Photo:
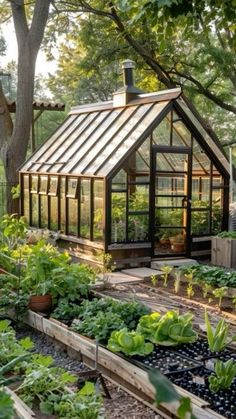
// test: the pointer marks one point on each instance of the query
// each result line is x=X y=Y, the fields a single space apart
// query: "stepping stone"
x=157 y=264
x=116 y=278
x=143 y=273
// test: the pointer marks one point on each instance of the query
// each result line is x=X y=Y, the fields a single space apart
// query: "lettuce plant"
x=130 y=343
x=224 y=375
x=171 y=329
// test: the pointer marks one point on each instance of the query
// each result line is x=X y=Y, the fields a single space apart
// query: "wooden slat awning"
x=46 y=106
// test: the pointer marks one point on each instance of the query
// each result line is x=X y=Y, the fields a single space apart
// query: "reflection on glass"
x=43 y=185
x=72 y=187
x=43 y=211
x=138 y=197
x=35 y=213
x=73 y=217
x=170 y=185
x=201 y=163
x=139 y=162
x=119 y=181
x=63 y=204
x=161 y=134
x=138 y=227
x=178 y=162
x=53 y=213
x=85 y=221
x=53 y=183
x=98 y=209
x=181 y=136
x=26 y=197
x=217 y=215
x=169 y=201
x=34 y=183
x=118 y=217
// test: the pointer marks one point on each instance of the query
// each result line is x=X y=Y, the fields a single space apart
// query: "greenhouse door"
x=171 y=191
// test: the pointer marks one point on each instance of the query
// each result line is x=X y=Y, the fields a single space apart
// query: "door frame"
x=178 y=150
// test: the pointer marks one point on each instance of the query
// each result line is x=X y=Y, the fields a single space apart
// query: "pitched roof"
x=95 y=139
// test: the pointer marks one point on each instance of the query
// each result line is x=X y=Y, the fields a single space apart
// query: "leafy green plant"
x=10 y=347
x=171 y=329
x=9 y=367
x=12 y=231
x=166 y=271
x=130 y=343
x=218 y=338
x=7 y=410
x=224 y=375
x=166 y=393
x=43 y=381
x=206 y=288
x=84 y=404
x=108 y=266
x=220 y=293
x=190 y=290
x=227 y=235
x=212 y=275
x=154 y=280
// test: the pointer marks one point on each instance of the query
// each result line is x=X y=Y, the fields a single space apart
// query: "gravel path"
x=121 y=404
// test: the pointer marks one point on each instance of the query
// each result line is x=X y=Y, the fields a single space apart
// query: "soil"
x=121 y=405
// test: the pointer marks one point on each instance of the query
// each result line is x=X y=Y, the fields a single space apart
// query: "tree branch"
x=20 y=21
x=40 y=17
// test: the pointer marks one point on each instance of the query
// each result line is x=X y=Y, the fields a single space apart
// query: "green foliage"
x=166 y=393
x=218 y=338
x=224 y=375
x=84 y=404
x=190 y=290
x=220 y=293
x=171 y=329
x=227 y=235
x=212 y=275
x=10 y=348
x=166 y=272
x=12 y=231
x=7 y=410
x=130 y=343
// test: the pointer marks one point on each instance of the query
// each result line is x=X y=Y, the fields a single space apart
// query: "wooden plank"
x=112 y=363
x=22 y=410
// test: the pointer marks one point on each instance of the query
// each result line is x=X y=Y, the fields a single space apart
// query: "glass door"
x=171 y=168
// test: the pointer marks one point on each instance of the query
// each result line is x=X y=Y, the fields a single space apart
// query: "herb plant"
x=224 y=375
x=220 y=293
x=166 y=272
x=218 y=338
x=100 y=327
x=130 y=343
x=171 y=329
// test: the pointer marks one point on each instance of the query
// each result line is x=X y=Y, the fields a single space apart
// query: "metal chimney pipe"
x=128 y=77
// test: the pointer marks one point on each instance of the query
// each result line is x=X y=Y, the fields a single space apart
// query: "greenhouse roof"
x=95 y=139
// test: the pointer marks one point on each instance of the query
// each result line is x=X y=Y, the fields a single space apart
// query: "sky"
x=42 y=65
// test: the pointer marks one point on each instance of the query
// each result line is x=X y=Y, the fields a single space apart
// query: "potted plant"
x=164 y=240
x=178 y=244
x=38 y=276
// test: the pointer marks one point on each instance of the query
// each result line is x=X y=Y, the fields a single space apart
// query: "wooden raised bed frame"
x=133 y=378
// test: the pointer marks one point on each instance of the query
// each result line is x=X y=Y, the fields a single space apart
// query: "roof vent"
x=128 y=92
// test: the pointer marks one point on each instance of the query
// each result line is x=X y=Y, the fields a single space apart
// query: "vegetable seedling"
x=177 y=281
x=190 y=291
x=224 y=375
x=220 y=293
x=206 y=288
x=218 y=338
x=154 y=280
x=166 y=271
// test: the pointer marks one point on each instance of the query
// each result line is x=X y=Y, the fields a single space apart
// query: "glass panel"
x=138 y=227
x=170 y=185
x=72 y=187
x=119 y=181
x=170 y=241
x=118 y=216
x=169 y=201
x=43 y=211
x=217 y=215
x=53 y=213
x=26 y=197
x=161 y=134
x=177 y=161
x=201 y=192
x=138 y=197
x=139 y=162
x=63 y=204
x=85 y=221
x=201 y=163
x=43 y=185
x=170 y=217
x=34 y=184
x=53 y=185
x=98 y=191
x=200 y=223
x=181 y=136
x=73 y=217
x=35 y=214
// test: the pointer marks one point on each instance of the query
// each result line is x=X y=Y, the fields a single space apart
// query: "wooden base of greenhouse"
x=119 y=370
x=21 y=409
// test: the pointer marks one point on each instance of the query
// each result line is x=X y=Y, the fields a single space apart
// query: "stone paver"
x=156 y=264
x=144 y=273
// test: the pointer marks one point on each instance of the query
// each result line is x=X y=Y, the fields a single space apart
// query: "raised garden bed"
x=114 y=366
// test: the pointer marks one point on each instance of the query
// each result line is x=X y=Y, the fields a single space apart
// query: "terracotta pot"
x=41 y=303
x=164 y=241
x=178 y=247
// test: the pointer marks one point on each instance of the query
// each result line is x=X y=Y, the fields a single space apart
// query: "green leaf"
x=88 y=389
x=46 y=407
x=26 y=343
x=165 y=391
x=184 y=407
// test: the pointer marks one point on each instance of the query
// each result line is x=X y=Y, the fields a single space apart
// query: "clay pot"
x=164 y=241
x=177 y=247
x=41 y=303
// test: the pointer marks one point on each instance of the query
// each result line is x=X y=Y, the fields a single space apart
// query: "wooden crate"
x=223 y=252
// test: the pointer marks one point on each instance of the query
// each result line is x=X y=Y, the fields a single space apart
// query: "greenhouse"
x=138 y=177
